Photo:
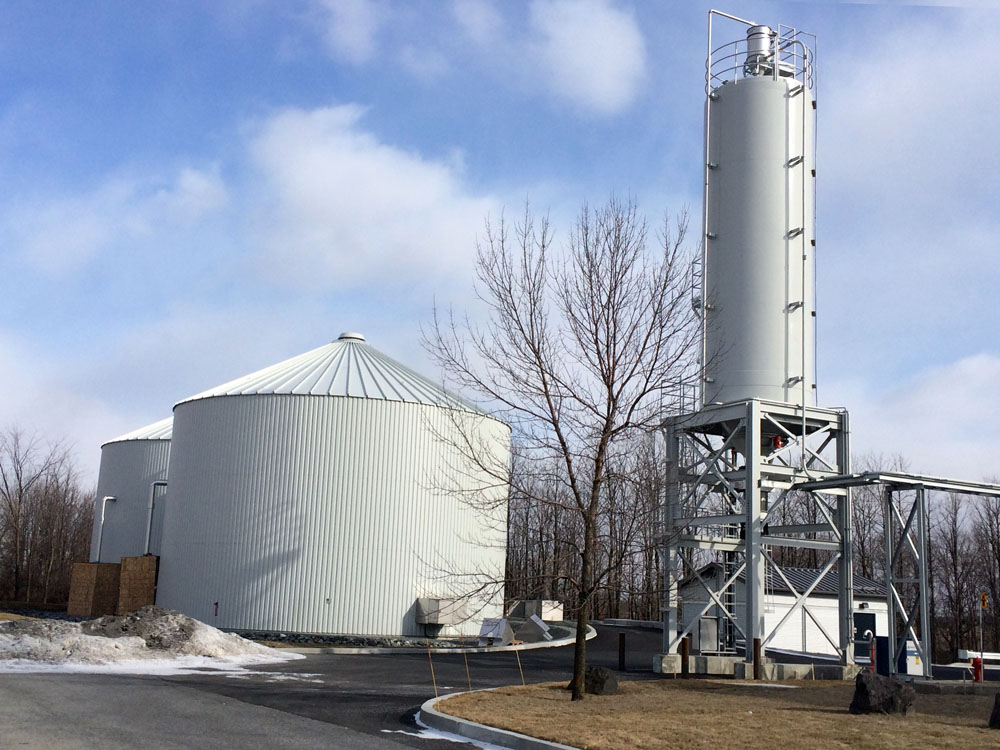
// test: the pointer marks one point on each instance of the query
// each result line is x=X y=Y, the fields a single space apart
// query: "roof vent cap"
x=351 y=336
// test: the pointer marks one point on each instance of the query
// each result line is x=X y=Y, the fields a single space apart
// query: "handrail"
x=729 y=62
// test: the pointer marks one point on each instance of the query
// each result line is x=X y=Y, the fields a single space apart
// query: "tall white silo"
x=759 y=312
x=128 y=510
x=327 y=494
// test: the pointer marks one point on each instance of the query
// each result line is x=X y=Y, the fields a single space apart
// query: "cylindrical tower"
x=758 y=301
x=328 y=493
x=133 y=470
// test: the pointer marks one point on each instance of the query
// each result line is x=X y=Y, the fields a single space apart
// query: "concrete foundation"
x=735 y=667
x=775 y=672
x=720 y=666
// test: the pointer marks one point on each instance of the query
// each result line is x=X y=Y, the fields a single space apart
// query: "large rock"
x=995 y=716
x=876 y=694
x=600 y=681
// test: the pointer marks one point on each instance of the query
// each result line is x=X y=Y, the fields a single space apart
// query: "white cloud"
x=479 y=19
x=945 y=420
x=924 y=131
x=593 y=53
x=590 y=54
x=131 y=375
x=908 y=171
x=194 y=194
x=60 y=235
x=48 y=404
x=351 y=28
x=342 y=207
x=422 y=63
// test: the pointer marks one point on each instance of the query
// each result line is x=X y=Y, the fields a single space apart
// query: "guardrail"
x=965 y=654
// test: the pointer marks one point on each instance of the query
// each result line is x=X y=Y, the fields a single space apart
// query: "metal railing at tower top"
x=786 y=53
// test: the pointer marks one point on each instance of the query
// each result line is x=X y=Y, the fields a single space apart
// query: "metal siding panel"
x=128 y=468
x=157 y=431
x=279 y=502
x=346 y=367
x=753 y=344
x=159 y=511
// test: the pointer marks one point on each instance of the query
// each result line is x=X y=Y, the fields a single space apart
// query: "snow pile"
x=132 y=642
x=167 y=630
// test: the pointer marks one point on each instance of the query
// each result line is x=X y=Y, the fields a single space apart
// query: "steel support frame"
x=725 y=475
x=906 y=530
x=905 y=527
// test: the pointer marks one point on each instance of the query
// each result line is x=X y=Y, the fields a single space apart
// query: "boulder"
x=874 y=693
x=995 y=716
x=600 y=681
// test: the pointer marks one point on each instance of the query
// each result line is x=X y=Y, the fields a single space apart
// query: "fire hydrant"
x=977 y=669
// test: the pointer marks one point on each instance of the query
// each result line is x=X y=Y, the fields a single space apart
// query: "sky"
x=191 y=191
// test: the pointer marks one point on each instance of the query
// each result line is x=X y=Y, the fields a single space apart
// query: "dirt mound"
x=160 y=628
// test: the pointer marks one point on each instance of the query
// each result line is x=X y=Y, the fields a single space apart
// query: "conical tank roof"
x=347 y=367
x=161 y=430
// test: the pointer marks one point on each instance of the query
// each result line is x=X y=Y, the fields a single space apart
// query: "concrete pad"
x=719 y=666
x=776 y=672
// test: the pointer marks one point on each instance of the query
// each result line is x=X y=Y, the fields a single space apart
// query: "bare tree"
x=987 y=542
x=45 y=518
x=955 y=562
x=579 y=347
x=24 y=463
x=867 y=523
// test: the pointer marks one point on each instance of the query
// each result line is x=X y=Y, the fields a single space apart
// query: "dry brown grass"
x=716 y=713
x=12 y=616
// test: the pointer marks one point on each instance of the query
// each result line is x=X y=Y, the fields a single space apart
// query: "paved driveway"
x=324 y=700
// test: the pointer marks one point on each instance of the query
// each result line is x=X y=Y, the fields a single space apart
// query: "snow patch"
x=434 y=734
x=151 y=640
x=428 y=733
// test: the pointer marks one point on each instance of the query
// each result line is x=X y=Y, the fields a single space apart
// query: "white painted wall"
x=799 y=633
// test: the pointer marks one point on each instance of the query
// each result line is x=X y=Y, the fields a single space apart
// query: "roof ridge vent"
x=351 y=336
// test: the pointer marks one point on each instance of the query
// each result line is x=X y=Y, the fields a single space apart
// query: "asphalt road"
x=325 y=700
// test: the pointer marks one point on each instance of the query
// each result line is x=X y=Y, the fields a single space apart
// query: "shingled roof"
x=802 y=578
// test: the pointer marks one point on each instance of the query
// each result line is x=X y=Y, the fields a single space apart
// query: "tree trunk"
x=583 y=613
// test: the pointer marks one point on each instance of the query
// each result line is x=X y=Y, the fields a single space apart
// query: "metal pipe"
x=731 y=18
x=100 y=527
x=149 y=516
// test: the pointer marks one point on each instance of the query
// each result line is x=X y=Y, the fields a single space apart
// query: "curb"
x=428 y=716
x=642 y=624
x=591 y=633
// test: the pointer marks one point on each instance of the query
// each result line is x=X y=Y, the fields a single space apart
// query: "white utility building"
x=811 y=629
x=328 y=493
x=128 y=511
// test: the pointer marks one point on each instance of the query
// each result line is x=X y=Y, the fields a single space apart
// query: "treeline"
x=963 y=540
x=544 y=541
x=544 y=537
x=46 y=517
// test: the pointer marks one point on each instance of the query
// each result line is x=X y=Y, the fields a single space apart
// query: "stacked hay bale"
x=138 y=583
x=94 y=589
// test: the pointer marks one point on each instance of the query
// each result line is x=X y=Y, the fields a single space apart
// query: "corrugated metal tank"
x=326 y=494
x=130 y=464
x=759 y=315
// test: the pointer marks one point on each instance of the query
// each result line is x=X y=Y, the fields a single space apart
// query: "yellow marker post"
x=431 y=661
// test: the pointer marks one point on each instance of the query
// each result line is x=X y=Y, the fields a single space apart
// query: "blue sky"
x=191 y=191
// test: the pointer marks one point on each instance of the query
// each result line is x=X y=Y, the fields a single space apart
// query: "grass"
x=12 y=616
x=716 y=713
